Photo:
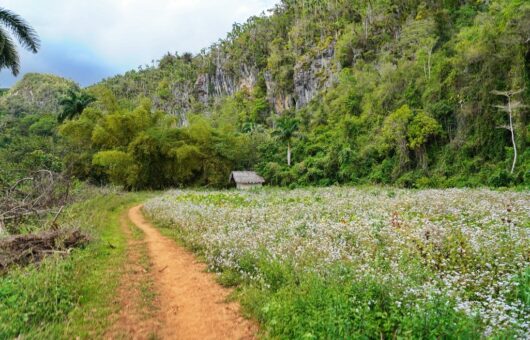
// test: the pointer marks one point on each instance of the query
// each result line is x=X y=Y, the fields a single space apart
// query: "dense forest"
x=411 y=93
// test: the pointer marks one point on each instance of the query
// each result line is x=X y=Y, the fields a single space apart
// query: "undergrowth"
x=68 y=297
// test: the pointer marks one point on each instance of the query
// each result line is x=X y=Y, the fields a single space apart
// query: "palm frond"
x=25 y=34
x=74 y=103
x=9 y=57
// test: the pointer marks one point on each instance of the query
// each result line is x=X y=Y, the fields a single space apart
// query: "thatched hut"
x=246 y=179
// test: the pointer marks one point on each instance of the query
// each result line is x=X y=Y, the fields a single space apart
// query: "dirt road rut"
x=192 y=304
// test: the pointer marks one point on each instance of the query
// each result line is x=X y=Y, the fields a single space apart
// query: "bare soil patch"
x=138 y=313
x=192 y=304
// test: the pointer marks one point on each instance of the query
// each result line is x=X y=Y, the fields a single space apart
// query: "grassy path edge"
x=71 y=297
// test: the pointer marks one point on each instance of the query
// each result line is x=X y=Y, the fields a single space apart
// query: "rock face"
x=36 y=94
x=183 y=94
x=278 y=100
x=219 y=75
x=310 y=76
x=202 y=88
x=222 y=81
x=249 y=77
x=314 y=75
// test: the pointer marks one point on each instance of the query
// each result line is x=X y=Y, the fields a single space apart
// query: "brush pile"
x=25 y=249
x=31 y=198
x=35 y=200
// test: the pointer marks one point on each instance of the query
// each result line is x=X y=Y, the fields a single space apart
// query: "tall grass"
x=70 y=297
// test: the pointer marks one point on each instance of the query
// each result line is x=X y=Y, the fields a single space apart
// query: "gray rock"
x=313 y=76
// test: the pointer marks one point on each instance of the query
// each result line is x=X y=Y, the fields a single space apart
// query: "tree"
x=118 y=165
x=74 y=104
x=511 y=108
x=421 y=128
x=419 y=38
x=187 y=57
x=395 y=131
x=24 y=33
x=285 y=131
x=410 y=130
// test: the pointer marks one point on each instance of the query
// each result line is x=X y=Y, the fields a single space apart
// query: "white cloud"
x=126 y=33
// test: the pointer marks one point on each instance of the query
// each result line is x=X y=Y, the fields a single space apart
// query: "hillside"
x=36 y=94
x=315 y=93
x=28 y=124
x=396 y=93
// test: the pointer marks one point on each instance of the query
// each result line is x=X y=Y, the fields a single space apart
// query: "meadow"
x=371 y=262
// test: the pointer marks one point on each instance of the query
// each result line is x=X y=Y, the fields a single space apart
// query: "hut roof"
x=246 y=177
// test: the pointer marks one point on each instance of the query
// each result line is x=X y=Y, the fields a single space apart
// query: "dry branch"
x=24 y=249
x=32 y=196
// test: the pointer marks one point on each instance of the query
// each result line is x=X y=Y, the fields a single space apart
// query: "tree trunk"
x=421 y=155
x=403 y=154
x=511 y=108
x=513 y=134
x=289 y=153
x=429 y=64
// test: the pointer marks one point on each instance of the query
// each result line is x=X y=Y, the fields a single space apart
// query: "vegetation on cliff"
x=391 y=92
x=385 y=92
x=36 y=94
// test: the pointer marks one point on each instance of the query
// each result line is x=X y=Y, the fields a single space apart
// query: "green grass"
x=70 y=297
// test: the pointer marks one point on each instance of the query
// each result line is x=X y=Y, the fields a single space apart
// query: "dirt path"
x=192 y=305
x=137 y=316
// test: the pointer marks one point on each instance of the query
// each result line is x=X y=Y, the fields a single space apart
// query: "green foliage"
x=286 y=128
x=74 y=104
x=345 y=48
x=441 y=64
x=36 y=94
x=352 y=307
x=523 y=287
x=395 y=130
x=29 y=297
x=118 y=165
x=28 y=144
x=69 y=297
x=142 y=148
x=281 y=64
x=399 y=93
x=244 y=110
x=421 y=128
x=406 y=130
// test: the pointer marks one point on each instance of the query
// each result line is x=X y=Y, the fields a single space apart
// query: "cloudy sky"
x=87 y=40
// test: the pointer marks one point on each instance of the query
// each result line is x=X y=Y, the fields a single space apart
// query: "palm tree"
x=285 y=131
x=24 y=33
x=74 y=104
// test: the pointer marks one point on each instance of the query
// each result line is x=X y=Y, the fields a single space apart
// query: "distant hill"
x=36 y=93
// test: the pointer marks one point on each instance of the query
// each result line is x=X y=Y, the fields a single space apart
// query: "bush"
x=500 y=178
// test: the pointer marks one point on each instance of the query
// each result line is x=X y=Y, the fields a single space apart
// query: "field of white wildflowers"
x=370 y=261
